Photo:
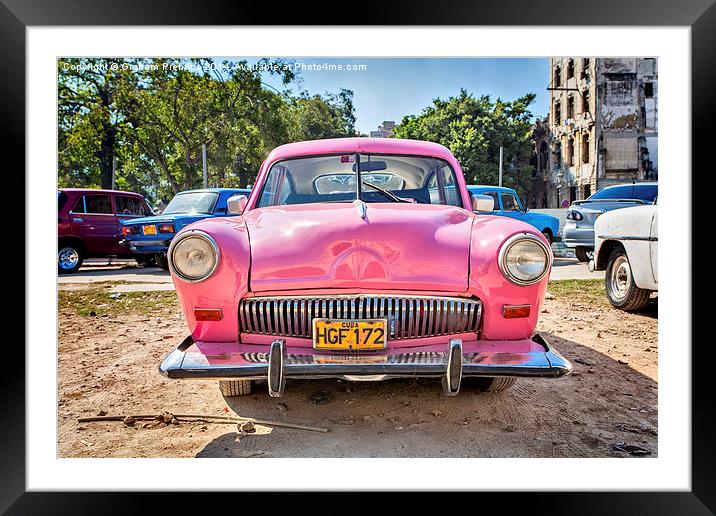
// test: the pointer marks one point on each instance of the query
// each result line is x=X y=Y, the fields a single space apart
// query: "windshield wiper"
x=388 y=194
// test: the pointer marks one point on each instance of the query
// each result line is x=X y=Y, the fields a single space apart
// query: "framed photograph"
x=424 y=248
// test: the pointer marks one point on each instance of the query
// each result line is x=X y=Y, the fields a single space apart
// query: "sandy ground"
x=109 y=363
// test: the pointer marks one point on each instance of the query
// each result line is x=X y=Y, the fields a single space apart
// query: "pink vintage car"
x=361 y=259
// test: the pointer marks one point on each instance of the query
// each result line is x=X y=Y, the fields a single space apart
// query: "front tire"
x=230 y=388
x=146 y=260
x=622 y=292
x=69 y=258
x=162 y=261
x=583 y=254
x=496 y=383
x=548 y=236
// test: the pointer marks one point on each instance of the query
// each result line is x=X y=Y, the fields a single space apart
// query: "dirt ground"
x=607 y=407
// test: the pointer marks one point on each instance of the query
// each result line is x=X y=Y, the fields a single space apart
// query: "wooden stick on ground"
x=209 y=418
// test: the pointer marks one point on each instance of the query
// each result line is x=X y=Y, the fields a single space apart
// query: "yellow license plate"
x=344 y=334
x=149 y=230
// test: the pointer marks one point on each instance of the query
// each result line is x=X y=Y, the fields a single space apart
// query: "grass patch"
x=589 y=291
x=97 y=301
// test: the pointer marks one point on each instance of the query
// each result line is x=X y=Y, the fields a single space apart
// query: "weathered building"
x=602 y=127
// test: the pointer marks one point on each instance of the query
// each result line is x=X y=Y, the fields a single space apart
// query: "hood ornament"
x=362 y=208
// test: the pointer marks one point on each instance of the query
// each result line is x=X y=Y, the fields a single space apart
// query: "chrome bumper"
x=451 y=363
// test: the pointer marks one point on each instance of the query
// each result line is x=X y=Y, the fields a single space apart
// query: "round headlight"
x=193 y=256
x=524 y=259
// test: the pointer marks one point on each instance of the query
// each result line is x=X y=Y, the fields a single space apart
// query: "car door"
x=127 y=207
x=92 y=218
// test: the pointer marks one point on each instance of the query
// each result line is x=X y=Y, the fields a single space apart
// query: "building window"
x=585 y=148
x=585 y=102
x=570 y=152
x=570 y=107
x=585 y=68
x=557 y=114
x=570 y=68
x=587 y=191
x=649 y=90
x=557 y=76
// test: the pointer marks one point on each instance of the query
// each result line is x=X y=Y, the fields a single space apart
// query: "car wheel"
x=162 y=261
x=548 y=236
x=583 y=254
x=231 y=388
x=495 y=384
x=622 y=292
x=145 y=260
x=69 y=258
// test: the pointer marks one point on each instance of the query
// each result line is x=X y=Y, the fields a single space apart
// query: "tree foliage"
x=474 y=128
x=154 y=115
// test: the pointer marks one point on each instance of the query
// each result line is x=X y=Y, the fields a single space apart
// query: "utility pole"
x=203 y=161
x=114 y=169
x=500 y=183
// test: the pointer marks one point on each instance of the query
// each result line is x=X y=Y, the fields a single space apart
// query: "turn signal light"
x=126 y=230
x=516 y=311
x=166 y=228
x=208 y=314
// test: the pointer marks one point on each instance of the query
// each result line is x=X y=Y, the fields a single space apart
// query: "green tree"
x=88 y=123
x=474 y=129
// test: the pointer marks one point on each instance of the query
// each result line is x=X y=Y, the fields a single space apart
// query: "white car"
x=625 y=245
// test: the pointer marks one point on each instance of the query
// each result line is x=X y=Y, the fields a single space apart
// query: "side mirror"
x=236 y=204
x=482 y=202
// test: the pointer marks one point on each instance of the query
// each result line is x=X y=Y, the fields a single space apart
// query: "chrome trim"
x=275 y=374
x=408 y=317
x=255 y=363
x=506 y=247
x=453 y=368
x=615 y=237
x=189 y=234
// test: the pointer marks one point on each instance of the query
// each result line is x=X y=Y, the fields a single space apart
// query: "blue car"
x=151 y=236
x=508 y=204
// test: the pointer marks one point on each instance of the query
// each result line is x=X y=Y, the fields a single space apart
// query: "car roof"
x=365 y=145
x=489 y=187
x=641 y=183
x=215 y=190
x=98 y=190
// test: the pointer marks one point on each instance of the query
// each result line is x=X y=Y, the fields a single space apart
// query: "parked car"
x=150 y=236
x=626 y=247
x=361 y=259
x=507 y=203
x=89 y=224
x=578 y=232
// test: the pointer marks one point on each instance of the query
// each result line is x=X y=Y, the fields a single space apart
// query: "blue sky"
x=390 y=88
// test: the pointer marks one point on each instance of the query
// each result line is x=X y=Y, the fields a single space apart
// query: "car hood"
x=395 y=246
x=183 y=218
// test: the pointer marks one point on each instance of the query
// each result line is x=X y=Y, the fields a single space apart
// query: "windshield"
x=641 y=192
x=383 y=178
x=192 y=202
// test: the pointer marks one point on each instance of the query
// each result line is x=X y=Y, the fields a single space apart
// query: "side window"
x=646 y=193
x=129 y=205
x=496 y=200
x=79 y=206
x=446 y=178
x=509 y=202
x=98 y=204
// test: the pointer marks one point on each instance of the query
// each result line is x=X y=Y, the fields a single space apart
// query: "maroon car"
x=89 y=224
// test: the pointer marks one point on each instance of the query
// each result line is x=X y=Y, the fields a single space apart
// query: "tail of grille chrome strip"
x=408 y=317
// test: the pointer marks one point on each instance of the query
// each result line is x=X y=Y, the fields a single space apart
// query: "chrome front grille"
x=409 y=317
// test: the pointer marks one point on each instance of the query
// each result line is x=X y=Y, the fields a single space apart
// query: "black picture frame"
x=699 y=15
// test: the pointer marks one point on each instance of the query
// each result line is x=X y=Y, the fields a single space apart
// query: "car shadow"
x=604 y=409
